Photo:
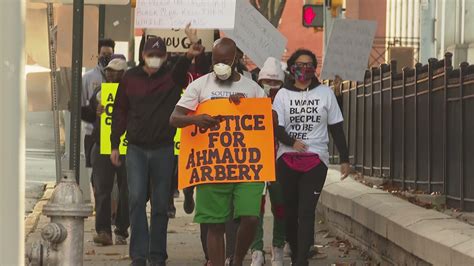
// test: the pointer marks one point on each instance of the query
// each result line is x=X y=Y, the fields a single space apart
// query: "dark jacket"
x=89 y=115
x=144 y=104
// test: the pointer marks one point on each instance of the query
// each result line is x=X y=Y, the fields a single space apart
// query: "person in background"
x=306 y=109
x=104 y=171
x=145 y=100
x=271 y=78
x=214 y=200
x=90 y=81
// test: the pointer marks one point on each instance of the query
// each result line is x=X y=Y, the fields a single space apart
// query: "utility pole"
x=101 y=22
x=75 y=104
x=12 y=132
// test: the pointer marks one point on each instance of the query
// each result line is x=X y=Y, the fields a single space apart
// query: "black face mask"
x=104 y=60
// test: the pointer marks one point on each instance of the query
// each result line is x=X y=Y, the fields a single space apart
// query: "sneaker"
x=188 y=204
x=258 y=259
x=176 y=194
x=277 y=256
x=313 y=251
x=103 y=238
x=120 y=240
x=172 y=213
x=228 y=262
x=287 y=250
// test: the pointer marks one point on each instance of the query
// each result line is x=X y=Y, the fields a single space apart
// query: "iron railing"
x=414 y=128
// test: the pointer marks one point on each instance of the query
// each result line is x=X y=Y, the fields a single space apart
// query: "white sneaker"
x=257 y=258
x=287 y=250
x=277 y=256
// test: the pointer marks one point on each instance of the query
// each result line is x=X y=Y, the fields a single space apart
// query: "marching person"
x=305 y=109
x=91 y=80
x=213 y=201
x=271 y=78
x=104 y=170
x=145 y=100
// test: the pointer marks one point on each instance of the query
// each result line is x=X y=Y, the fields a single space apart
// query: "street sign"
x=313 y=16
x=86 y=2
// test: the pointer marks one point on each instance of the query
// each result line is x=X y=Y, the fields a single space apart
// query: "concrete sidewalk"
x=392 y=229
x=184 y=246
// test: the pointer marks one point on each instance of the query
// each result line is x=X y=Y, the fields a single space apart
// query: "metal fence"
x=382 y=45
x=414 y=128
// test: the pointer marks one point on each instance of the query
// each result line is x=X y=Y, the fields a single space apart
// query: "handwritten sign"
x=348 y=49
x=169 y=14
x=107 y=94
x=177 y=41
x=255 y=35
x=239 y=149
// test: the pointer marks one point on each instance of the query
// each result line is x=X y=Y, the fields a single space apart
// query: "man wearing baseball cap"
x=104 y=170
x=145 y=100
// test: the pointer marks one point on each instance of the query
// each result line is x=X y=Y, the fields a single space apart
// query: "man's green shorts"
x=215 y=202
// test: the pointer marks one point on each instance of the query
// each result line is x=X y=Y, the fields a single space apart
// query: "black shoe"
x=172 y=214
x=188 y=203
x=176 y=194
x=138 y=263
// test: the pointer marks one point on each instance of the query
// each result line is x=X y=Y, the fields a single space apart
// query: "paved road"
x=40 y=162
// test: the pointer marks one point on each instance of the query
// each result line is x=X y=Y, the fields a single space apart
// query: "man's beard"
x=226 y=82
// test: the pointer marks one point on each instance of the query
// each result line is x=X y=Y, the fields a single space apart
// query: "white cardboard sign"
x=255 y=35
x=348 y=49
x=177 y=41
x=175 y=14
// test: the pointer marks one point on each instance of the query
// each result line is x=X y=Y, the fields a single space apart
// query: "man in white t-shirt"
x=214 y=201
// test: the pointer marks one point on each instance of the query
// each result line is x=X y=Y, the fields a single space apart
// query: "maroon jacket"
x=144 y=104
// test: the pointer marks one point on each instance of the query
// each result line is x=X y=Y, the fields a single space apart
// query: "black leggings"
x=301 y=194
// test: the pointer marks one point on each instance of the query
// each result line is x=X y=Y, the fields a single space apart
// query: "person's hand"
x=346 y=170
x=338 y=85
x=100 y=110
x=115 y=157
x=300 y=146
x=195 y=50
x=191 y=33
x=235 y=98
x=205 y=121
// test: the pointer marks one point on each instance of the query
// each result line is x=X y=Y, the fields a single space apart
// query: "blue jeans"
x=149 y=169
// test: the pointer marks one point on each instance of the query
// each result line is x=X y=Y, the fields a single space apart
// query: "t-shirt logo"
x=224 y=94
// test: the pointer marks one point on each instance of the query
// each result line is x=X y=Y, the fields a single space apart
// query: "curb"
x=31 y=221
x=429 y=235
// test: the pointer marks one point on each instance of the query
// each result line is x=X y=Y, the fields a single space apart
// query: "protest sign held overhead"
x=255 y=35
x=176 y=14
x=108 y=92
x=239 y=149
x=176 y=40
x=348 y=49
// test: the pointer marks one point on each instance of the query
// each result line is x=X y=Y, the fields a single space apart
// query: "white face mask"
x=267 y=88
x=154 y=62
x=222 y=71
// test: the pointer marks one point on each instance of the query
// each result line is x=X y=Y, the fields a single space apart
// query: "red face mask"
x=303 y=73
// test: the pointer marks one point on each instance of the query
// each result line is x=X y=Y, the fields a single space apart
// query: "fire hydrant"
x=63 y=238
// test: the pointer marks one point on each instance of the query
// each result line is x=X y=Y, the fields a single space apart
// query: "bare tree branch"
x=276 y=19
x=271 y=14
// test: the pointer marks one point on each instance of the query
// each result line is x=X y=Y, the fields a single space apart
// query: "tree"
x=271 y=9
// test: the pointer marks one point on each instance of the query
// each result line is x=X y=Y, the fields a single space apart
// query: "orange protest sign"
x=240 y=149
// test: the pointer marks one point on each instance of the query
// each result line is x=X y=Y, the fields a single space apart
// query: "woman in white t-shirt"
x=305 y=109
